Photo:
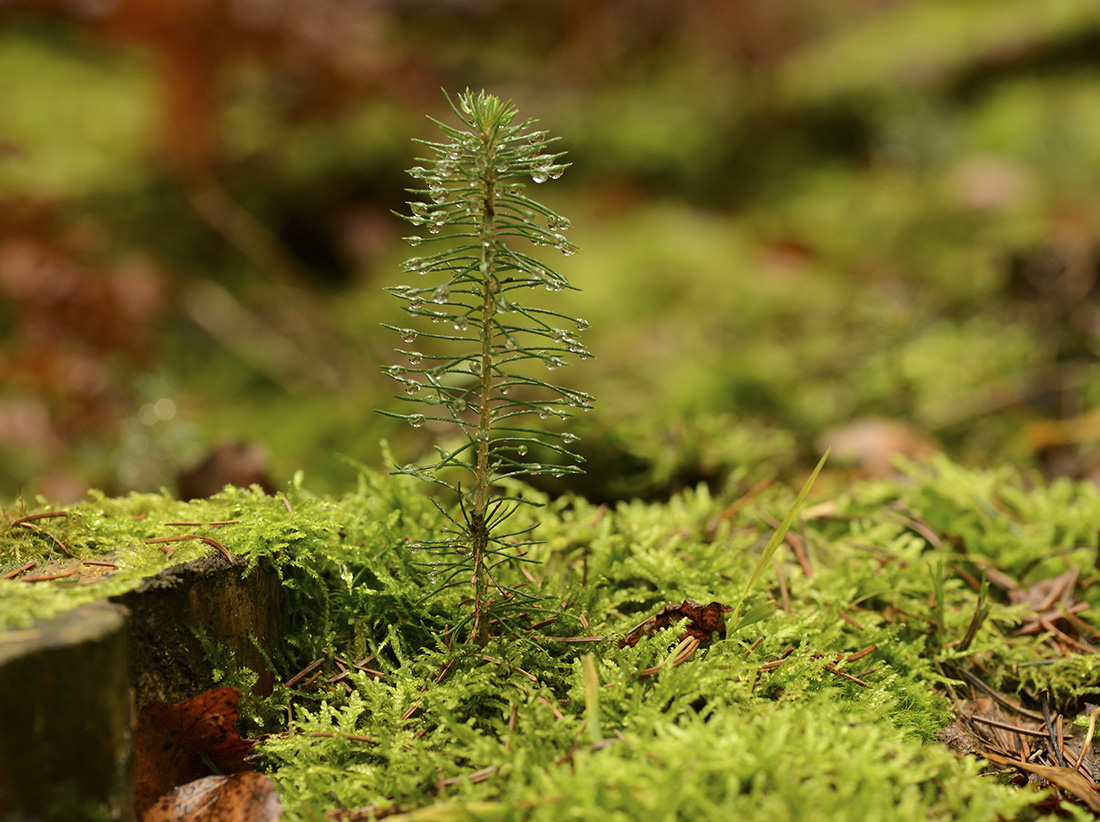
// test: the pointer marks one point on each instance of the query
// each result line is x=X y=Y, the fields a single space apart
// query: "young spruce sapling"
x=479 y=364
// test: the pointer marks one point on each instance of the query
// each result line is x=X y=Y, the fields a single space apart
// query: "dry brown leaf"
x=173 y=743
x=1065 y=778
x=242 y=797
x=703 y=620
x=870 y=445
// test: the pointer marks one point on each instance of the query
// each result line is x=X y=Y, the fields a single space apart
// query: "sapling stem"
x=479 y=526
x=481 y=380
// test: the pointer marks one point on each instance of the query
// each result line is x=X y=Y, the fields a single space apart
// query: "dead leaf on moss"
x=242 y=797
x=1067 y=779
x=173 y=744
x=703 y=621
x=870 y=445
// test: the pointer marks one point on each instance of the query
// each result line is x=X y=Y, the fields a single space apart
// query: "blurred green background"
x=793 y=218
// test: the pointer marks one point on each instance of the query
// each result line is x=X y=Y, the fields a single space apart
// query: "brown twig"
x=847 y=676
x=733 y=510
x=798 y=547
x=347 y=667
x=306 y=671
x=595 y=746
x=1088 y=738
x=24 y=522
x=208 y=540
x=47 y=577
x=784 y=597
x=915 y=525
x=14 y=572
x=444 y=672
x=862 y=652
x=996 y=723
x=1055 y=741
x=850 y=621
x=680 y=654
x=57 y=542
x=475 y=777
x=217 y=524
x=529 y=676
x=775 y=663
x=996 y=697
x=43 y=515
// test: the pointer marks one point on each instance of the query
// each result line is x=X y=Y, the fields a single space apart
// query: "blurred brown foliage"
x=78 y=326
x=83 y=319
x=326 y=54
x=236 y=245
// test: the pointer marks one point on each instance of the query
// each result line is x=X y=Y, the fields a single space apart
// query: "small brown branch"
x=775 y=663
x=14 y=572
x=1088 y=738
x=25 y=523
x=475 y=777
x=784 y=597
x=31 y=517
x=996 y=697
x=595 y=746
x=798 y=547
x=851 y=621
x=680 y=654
x=847 y=676
x=208 y=540
x=529 y=676
x=862 y=652
x=1055 y=742
x=733 y=510
x=47 y=577
x=306 y=671
x=59 y=544
x=1007 y=726
x=217 y=524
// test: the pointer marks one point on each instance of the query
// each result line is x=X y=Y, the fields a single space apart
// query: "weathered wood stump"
x=66 y=714
x=167 y=660
x=69 y=684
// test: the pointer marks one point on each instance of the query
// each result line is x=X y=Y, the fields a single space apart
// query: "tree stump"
x=65 y=718
x=210 y=595
x=68 y=685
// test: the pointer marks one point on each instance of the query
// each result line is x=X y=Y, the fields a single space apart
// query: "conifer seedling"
x=477 y=359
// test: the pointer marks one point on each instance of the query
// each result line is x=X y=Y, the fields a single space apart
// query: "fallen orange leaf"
x=176 y=744
x=242 y=797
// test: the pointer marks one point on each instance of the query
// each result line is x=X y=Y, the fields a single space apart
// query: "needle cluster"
x=477 y=357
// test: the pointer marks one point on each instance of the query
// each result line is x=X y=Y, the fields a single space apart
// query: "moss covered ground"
x=880 y=635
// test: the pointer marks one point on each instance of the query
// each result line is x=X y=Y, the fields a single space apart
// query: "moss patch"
x=829 y=704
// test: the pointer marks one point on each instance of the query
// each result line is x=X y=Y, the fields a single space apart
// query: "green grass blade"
x=777 y=538
x=591 y=697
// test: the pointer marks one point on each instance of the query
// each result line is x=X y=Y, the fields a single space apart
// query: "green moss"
x=95 y=131
x=506 y=731
x=124 y=532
